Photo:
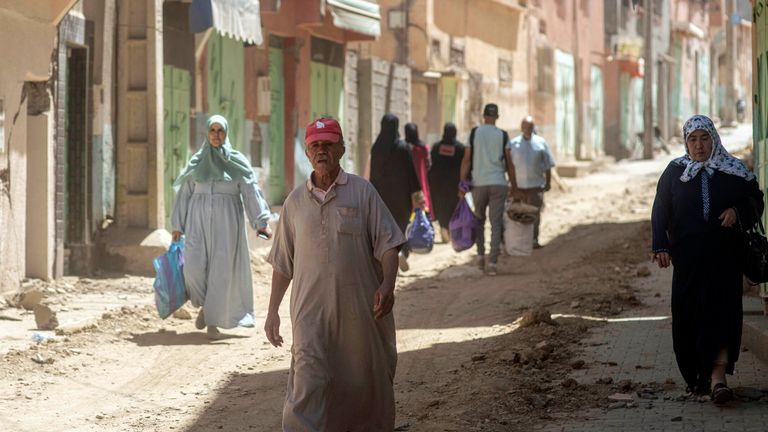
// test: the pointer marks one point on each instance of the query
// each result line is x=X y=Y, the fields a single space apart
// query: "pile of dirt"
x=521 y=378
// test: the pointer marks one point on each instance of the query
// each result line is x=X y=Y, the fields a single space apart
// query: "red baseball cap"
x=323 y=129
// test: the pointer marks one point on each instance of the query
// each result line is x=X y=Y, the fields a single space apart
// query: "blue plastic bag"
x=420 y=234
x=170 y=290
x=463 y=227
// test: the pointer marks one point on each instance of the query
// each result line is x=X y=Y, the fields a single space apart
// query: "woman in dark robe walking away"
x=703 y=202
x=394 y=177
x=444 y=177
x=421 y=163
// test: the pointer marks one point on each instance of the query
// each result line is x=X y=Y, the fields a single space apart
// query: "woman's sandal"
x=721 y=394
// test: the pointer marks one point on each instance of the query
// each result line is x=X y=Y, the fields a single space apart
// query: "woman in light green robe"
x=217 y=186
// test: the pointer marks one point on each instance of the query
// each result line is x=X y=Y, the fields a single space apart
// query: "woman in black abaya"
x=394 y=177
x=703 y=201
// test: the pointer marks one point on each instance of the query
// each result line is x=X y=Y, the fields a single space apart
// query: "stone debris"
x=536 y=316
x=183 y=314
x=621 y=397
x=575 y=304
x=643 y=271
x=27 y=298
x=617 y=405
x=478 y=357
x=39 y=359
x=604 y=380
x=45 y=318
x=77 y=328
x=538 y=401
x=577 y=364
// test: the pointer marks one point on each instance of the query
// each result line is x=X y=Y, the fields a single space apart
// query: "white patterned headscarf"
x=719 y=160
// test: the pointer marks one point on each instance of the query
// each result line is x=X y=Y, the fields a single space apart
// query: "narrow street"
x=466 y=361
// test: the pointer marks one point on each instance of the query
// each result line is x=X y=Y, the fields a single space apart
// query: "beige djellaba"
x=343 y=360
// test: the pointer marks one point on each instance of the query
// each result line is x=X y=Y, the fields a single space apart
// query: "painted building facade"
x=567 y=67
x=30 y=184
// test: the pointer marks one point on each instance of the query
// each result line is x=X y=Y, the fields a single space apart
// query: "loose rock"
x=643 y=271
x=39 y=359
x=577 y=364
x=182 y=314
x=617 y=405
x=28 y=299
x=536 y=316
x=45 y=318
x=621 y=397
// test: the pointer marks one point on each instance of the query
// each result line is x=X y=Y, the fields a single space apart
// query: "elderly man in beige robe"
x=338 y=243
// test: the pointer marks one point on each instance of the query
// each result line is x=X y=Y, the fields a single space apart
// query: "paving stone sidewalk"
x=641 y=351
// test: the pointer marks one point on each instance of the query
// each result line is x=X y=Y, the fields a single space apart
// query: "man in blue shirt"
x=532 y=165
x=487 y=162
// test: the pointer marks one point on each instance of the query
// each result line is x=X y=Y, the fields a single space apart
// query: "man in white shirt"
x=532 y=165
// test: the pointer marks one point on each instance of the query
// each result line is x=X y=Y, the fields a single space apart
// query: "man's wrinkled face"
x=325 y=155
x=699 y=145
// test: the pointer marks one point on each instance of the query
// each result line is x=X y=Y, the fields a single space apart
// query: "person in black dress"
x=703 y=202
x=394 y=176
x=444 y=177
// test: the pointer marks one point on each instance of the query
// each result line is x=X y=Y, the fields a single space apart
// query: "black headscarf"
x=449 y=134
x=389 y=137
x=412 y=134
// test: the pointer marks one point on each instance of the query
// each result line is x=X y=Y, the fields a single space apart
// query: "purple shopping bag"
x=463 y=227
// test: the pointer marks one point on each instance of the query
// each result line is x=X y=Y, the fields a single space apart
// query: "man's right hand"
x=663 y=259
x=516 y=195
x=272 y=329
x=176 y=235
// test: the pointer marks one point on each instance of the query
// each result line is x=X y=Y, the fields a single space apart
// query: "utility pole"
x=649 y=63
x=729 y=113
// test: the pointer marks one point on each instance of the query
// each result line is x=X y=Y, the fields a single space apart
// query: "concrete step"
x=131 y=251
x=754 y=333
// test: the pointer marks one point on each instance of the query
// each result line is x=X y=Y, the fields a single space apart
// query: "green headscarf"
x=216 y=164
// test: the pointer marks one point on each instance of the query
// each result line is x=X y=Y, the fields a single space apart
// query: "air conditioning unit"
x=263 y=96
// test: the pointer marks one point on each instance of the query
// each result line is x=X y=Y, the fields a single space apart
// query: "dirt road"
x=464 y=363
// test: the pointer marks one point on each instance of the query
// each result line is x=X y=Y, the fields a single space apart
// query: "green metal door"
x=176 y=95
x=276 y=179
x=327 y=91
x=596 y=110
x=317 y=87
x=565 y=104
x=226 y=89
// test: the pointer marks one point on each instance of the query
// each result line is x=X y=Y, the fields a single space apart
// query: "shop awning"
x=361 y=16
x=238 y=19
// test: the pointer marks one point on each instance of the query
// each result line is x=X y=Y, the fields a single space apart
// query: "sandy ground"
x=465 y=363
